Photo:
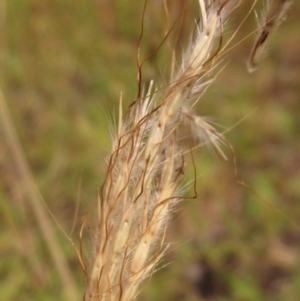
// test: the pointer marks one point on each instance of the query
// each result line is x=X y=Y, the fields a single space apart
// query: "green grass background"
x=64 y=64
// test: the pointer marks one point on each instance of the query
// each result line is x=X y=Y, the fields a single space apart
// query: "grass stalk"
x=146 y=164
x=148 y=159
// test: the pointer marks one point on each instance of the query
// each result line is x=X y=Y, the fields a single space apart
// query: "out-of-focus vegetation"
x=64 y=64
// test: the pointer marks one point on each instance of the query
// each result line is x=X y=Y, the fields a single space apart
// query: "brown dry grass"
x=148 y=160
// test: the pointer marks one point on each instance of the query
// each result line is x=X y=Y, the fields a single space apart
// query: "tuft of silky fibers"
x=147 y=160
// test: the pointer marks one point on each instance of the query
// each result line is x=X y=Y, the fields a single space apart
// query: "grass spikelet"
x=271 y=18
x=146 y=164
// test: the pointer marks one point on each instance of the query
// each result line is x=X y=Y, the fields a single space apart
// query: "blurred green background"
x=64 y=64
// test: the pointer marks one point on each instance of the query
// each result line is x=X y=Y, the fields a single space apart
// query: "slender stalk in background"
x=26 y=180
x=34 y=201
